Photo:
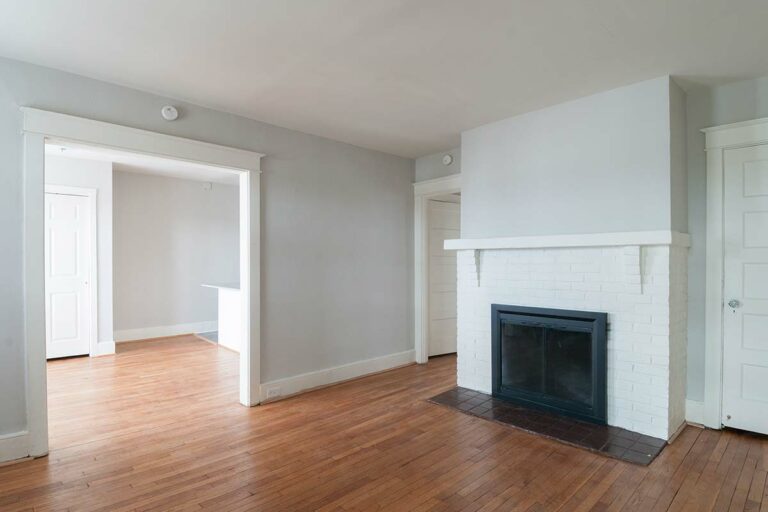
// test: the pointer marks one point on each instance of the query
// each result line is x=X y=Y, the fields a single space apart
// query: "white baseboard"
x=694 y=412
x=14 y=446
x=104 y=348
x=165 y=330
x=283 y=388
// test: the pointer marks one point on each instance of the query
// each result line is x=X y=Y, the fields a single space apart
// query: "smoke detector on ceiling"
x=447 y=159
x=169 y=113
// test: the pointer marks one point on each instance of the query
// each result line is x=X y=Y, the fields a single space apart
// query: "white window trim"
x=422 y=192
x=718 y=140
x=39 y=125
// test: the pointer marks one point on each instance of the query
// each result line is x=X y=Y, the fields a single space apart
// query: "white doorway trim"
x=422 y=192
x=39 y=125
x=718 y=140
x=93 y=270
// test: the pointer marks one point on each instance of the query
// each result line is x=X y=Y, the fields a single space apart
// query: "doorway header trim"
x=88 y=131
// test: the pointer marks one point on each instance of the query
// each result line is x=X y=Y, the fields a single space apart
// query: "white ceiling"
x=143 y=164
x=401 y=76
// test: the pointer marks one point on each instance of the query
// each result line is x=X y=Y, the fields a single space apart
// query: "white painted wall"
x=170 y=236
x=596 y=164
x=431 y=166
x=710 y=106
x=337 y=229
x=92 y=174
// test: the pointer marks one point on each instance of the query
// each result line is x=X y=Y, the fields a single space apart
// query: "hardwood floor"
x=158 y=428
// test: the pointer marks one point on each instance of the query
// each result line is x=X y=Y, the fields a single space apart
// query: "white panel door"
x=444 y=223
x=67 y=269
x=745 y=312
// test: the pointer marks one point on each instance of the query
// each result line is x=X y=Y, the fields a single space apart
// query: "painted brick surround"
x=643 y=290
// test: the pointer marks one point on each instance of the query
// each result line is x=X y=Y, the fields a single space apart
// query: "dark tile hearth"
x=610 y=441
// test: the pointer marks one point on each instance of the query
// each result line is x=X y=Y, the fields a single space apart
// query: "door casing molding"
x=718 y=140
x=423 y=191
x=41 y=125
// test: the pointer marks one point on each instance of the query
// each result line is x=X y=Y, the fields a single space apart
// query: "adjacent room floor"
x=158 y=427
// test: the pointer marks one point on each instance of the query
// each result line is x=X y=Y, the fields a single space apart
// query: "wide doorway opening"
x=142 y=267
x=41 y=128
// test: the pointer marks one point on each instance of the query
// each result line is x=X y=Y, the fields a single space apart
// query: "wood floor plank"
x=157 y=427
x=680 y=486
x=728 y=487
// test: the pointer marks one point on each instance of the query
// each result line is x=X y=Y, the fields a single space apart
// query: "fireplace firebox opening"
x=551 y=359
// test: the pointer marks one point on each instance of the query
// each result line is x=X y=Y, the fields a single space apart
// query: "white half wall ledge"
x=629 y=238
x=161 y=331
x=289 y=386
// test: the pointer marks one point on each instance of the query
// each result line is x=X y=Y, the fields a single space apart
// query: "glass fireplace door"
x=543 y=360
x=550 y=358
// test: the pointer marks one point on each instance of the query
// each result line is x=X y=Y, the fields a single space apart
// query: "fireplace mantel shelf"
x=628 y=238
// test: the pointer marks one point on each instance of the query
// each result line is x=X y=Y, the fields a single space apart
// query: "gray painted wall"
x=596 y=164
x=431 y=166
x=678 y=158
x=731 y=103
x=337 y=228
x=74 y=172
x=170 y=236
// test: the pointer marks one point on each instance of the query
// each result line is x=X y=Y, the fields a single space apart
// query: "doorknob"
x=733 y=303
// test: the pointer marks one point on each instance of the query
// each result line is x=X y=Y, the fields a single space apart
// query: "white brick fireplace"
x=639 y=279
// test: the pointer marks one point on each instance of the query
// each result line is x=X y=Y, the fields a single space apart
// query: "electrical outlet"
x=273 y=392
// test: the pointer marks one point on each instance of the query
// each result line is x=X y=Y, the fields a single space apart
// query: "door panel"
x=745 y=288
x=756 y=229
x=67 y=268
x=444 y=223
x=756 y=178
x=754 y=329
x=64 y=316
x=65 y=245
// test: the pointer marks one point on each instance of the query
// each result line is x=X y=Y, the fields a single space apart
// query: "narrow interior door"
x=444 y=223
x=745 y=289
x=67 y=269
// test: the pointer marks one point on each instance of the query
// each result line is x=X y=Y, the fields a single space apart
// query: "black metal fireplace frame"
x=585 y=321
